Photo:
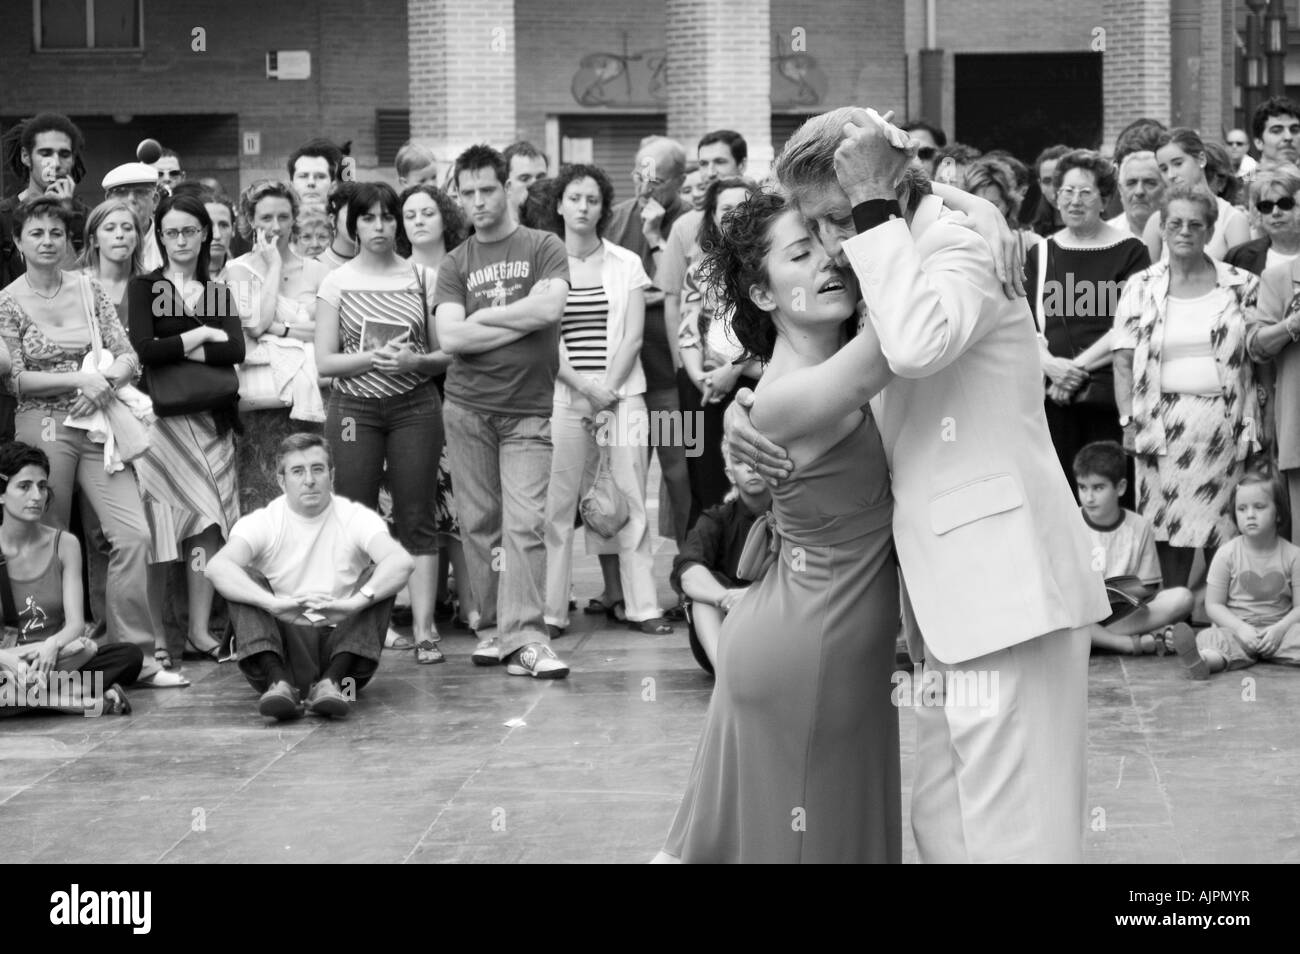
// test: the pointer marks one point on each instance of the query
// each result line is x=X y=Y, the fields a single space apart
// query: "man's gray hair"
x=808 y=159
x=676 y=153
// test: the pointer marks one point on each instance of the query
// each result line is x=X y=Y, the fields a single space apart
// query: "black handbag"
x=188 y=387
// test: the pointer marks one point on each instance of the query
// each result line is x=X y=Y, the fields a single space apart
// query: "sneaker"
x=487 y=653
x=1184 y=640
x=279 y=702
x=536 y=660
x=325 y=699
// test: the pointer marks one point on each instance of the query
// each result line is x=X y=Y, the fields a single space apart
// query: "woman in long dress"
x=799 y=757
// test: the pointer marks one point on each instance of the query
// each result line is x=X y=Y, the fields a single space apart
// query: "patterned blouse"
x=31 y=349
x=1140 y=326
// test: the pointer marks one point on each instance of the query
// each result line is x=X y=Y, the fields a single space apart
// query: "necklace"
x=38 y=294
x=583 y=258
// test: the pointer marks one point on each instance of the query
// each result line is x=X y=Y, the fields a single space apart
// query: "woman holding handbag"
x=374 y=337
x=40 y=592
x=599 y=405
x=275 y=291
x=50 y=320
x=186 y=330
x=1075 y=277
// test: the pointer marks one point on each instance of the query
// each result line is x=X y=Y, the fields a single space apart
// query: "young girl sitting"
x=1251 y=589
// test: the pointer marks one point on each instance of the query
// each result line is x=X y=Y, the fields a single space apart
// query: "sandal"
x=164 y=659
x=616 y=612
x=163 y=680
x=401 y=643
x=596 y=607
x=652 y=627
x=191 y=650
x=676 y=614
x=427 y=653
x=116 y=702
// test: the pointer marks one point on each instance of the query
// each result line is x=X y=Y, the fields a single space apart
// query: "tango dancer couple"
x=900 y=419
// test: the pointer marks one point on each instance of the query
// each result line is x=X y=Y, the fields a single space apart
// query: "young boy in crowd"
x=1124 y=545
x=705 y=570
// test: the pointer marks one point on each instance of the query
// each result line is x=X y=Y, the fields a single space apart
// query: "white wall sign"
x=252 y=143
x=288 y=64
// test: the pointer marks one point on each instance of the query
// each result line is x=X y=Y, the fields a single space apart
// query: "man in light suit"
x=992 y=548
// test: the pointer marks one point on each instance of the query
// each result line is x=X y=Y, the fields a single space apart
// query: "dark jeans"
x=119 y=662
x=709 y=483
x=404 y=432
x=1176 y=562
x=307 y=650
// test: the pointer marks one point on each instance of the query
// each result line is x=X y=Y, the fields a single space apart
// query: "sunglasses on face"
x=926 y=153
x=1285 y=204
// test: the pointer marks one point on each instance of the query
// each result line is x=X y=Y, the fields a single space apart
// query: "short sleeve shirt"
x=1261 y=589
x=1129 y=548
x=518 y=378
x=322 y=554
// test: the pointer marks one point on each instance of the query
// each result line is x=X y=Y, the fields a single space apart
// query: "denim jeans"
x=500 y=467
x=405 y=432
x=675 y=490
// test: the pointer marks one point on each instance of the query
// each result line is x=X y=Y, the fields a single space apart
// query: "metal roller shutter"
x=614 y=142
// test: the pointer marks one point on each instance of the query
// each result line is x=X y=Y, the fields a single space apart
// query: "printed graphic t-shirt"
x=518 y=378
x=1260 y=589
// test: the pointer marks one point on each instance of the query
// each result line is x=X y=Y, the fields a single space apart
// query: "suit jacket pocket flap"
x=972 y=501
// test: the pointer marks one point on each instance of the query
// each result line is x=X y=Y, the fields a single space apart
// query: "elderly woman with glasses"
x=1074 y=279
x=1185 y=384
x=1273 y=197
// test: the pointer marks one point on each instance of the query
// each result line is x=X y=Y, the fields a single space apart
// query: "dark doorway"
x=1025 y=102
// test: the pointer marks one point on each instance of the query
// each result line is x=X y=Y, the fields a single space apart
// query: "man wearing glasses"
x=136 y=184
x=1243 y=163
x=170 y=173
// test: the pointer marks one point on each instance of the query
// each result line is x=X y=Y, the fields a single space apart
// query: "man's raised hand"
x=872 y=158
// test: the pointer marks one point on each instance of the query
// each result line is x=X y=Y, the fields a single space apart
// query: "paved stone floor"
x=452 y=763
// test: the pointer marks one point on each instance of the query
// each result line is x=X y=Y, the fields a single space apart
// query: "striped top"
x=586 y=313
x=373 y=309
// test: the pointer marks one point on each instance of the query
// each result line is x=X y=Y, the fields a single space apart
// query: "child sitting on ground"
x=705 y=569
x=1126 y=543
x=1251 y=587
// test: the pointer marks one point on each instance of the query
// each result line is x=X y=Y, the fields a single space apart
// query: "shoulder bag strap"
x=424 y=304
x=88 y=303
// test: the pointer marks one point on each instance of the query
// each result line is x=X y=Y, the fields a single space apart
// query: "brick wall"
x=1136 y=67
x=358 y=52
x=463 y=73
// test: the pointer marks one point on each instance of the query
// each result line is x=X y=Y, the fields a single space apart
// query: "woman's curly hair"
x=455 y=226
x=738 y=261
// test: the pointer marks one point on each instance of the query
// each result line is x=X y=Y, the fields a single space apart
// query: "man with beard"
x=993 y=552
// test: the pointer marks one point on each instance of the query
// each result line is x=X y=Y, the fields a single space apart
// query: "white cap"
x=130 y=173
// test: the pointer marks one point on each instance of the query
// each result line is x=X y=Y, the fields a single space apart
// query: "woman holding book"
x=374 y=337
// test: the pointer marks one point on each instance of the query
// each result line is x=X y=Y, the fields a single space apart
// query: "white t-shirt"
x=323 y=554
x=1276 y=258
x=1187 y=360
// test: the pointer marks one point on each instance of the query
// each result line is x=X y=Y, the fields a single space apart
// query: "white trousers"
x=1006 y=783
x=573 y=468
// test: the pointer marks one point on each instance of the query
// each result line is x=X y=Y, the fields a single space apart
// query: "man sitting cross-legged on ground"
x=1124 y=545
x=308 y=607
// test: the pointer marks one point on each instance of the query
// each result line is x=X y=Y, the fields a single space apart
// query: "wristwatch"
x=368 y=593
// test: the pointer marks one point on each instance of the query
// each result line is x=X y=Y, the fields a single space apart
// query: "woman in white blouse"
x=599 y=402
